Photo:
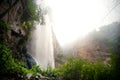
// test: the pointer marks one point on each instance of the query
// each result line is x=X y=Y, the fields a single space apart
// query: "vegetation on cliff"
x=17 y=18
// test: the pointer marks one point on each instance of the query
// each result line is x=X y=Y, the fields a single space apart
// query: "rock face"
x=97 y=45
x=11 y=11
x=57 y=51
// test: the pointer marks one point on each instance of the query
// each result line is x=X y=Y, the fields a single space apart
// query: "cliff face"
x=98 y=44
x=12 y=13
x=57 y=51
x=12 y=17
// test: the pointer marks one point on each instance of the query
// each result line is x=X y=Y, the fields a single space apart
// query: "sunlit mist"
x=76 y=18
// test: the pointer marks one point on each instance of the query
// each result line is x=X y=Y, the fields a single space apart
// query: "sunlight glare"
x=75 y=18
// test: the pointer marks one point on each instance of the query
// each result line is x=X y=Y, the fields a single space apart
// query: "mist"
x=75 y=19
x=75 y=26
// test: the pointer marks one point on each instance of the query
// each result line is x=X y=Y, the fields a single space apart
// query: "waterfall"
x=41 y=46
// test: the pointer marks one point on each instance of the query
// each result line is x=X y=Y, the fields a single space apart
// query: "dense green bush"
x=32 y=12
x=32 y=9
x=8 y=66
x=11 y=68
x=6 y=61
x=79 y=69
x=115 y=59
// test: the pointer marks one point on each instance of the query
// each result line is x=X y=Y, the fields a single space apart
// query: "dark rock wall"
x=11 y=11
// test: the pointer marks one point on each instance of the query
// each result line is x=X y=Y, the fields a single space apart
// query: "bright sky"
x=75 y=18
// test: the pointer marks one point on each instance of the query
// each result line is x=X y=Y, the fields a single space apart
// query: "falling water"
x=41 y=47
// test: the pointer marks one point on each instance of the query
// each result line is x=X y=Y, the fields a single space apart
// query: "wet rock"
x=30 y=62
x=44 y=78
x=28 y=59
x=29 y=76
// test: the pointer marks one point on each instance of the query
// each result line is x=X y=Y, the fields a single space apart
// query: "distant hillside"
x=97 y=45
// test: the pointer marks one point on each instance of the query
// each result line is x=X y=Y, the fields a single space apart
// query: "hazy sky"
x=75 y=18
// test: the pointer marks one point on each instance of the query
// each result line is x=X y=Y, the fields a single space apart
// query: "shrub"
x=8 y=66
x=32 y=9
x=79 y=69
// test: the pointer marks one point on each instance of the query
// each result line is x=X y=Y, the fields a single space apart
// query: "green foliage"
x=95 y=71
x=33 y=12
x=75 y=68
x=32 y=8
x=35 y=70
x=72 y=69
x=79 y=69
x=4 y=25
x=8 y=66
x=49 y=72
x=28 y=26
x=115 y=60
x=6 y=60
